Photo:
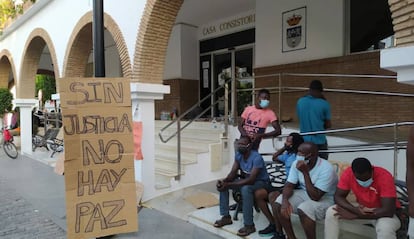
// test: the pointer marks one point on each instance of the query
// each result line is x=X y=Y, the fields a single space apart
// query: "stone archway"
x=6 y=68
x=34 y=47
x=80 y=45
x=152 y=39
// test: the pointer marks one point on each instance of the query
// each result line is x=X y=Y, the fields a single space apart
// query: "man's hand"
x=365 y=210
x=342 y=213
x=221 y=185
x=286 y=209
x=302 y=166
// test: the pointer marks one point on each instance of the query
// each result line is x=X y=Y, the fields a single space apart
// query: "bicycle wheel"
x=10 y=149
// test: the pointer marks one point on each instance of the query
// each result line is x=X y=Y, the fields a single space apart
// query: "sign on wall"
x=99 y=154
x=294 y=29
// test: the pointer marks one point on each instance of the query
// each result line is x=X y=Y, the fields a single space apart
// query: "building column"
x=400 y=58
x=143 y=98
x=402 y=12
x=26 y=106
x=401 y=61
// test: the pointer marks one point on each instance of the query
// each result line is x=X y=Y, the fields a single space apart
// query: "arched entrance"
x=79 y=53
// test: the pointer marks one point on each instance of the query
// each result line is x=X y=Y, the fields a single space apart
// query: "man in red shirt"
x=376 y=197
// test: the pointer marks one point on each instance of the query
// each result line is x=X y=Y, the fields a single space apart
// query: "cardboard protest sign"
x=99 y=168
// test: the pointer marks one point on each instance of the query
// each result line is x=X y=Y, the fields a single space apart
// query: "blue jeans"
x=247 y=192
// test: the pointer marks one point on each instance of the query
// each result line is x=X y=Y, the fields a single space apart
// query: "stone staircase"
x=196 y=141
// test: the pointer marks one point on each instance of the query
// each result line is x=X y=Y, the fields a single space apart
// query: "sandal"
x=246 y=230
x=225 y=220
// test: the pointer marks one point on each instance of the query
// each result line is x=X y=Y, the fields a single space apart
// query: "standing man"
x=410 y=181
x=255 y=119
x=376 y=197
x=253 y=176
x=314 y=114
x=316 y=179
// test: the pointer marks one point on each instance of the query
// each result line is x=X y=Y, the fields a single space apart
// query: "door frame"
x=231 y=50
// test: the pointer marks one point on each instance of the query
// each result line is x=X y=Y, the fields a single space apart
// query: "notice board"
x=99 y=156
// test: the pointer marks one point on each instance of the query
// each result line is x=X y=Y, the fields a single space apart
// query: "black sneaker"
x=278 y=235
x=268 y=231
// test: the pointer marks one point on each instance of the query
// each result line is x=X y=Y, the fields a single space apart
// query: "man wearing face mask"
x=376 y=197
x=308 y=191
x=255 y=119
x=253 y=176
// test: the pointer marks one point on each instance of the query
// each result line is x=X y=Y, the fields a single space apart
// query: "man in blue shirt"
x=314 y=114
x=253 y=176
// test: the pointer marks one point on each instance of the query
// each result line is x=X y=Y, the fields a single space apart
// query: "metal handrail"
x=394 y=145
x=181 y=116
x=280 y=89
x=281 y=75
x=359 y=128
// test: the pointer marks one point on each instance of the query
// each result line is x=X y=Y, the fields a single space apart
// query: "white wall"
x=324 y=37
x=189 y=51
x=58 y=18
x=181 y=60
x=172 y=67
x=227 y=25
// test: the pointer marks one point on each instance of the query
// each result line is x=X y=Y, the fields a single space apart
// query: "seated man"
x=254 y=176
x=376 y=196
x=285 y=155
x=316 y=179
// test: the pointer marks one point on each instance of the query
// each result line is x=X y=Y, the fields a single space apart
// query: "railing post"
x=178 y=177
x=226 y=109
x=395 y=149
x=280 y=99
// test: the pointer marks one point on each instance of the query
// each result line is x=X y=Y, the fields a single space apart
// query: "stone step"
x=188 y=148
x=159 y=124
x=195 y=139
x=192 y=134
x=186 y=158
x=167 y=168
x=162 y=181
x=204 y=218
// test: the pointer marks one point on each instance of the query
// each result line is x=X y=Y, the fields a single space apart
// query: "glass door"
x=235 y=64
x=222 y=71
x=244 y=79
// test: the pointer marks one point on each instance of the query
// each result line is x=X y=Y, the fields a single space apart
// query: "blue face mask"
x=264 y=103
x=301 y=157
x=365 y=184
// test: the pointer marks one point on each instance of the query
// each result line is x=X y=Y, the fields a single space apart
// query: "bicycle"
x=8 y=146
x=48 y=141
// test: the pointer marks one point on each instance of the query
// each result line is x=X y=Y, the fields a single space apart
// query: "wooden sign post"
x=99 y=155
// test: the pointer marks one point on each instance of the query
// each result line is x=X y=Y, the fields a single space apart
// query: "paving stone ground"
x=32 y=205
x=20 y=219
